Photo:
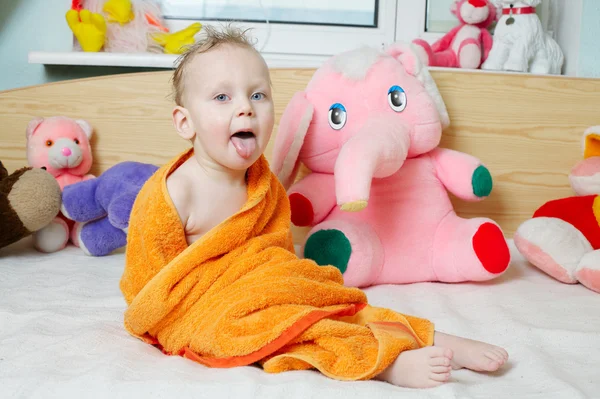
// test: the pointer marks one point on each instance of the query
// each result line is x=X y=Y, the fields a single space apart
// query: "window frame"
x=411 y=25
x=397 y=20
x=310 y=49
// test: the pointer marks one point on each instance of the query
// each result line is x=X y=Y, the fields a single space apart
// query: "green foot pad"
x=329 y=247
x=482 y=182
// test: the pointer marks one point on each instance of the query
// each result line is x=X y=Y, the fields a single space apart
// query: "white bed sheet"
x=61 y=336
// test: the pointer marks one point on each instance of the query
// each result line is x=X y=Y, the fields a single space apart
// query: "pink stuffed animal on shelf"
x=61 y=146
x=368 y=126
x=468 y=44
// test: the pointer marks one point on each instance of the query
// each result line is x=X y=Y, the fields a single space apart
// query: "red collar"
x=519 y=10
x=76 y=5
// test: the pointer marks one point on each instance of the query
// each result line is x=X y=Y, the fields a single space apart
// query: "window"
x=299 y=33
x=321 y=12
x=431 y=19
x=439 y=19
x=303 y=33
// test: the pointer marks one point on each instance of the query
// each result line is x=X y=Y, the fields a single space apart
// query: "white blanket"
x=61 y=336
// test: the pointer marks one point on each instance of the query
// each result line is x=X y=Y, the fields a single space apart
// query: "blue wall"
x=589 y=50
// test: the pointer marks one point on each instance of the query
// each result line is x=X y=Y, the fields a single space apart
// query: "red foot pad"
x=302 y=210
x=491 y=248
x=577 y=211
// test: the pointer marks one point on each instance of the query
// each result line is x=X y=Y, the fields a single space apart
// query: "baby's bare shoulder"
x=179 y=186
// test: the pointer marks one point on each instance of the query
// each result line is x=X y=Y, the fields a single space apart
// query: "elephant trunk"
x=377 y=151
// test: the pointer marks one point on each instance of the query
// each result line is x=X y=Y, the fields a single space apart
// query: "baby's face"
x=228 y=95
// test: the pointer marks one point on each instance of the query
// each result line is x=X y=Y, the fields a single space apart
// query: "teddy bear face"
x=60 y=145
x=474 y=12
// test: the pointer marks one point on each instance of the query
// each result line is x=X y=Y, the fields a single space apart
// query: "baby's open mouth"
x=244 y=142
x=244 y=135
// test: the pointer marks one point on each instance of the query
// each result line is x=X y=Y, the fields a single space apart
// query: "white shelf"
x=151 y=60
x=102 y=59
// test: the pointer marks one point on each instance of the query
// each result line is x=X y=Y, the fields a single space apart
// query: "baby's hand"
x=90 y=31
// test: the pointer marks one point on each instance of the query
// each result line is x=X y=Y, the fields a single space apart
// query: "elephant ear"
x=407 y=56
x=290 y=136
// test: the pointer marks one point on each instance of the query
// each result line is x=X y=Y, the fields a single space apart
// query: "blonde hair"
x=212 y=38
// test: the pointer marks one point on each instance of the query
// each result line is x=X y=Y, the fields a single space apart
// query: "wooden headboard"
x=526 y=129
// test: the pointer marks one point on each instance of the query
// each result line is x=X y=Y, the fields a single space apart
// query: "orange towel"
x=240 y=296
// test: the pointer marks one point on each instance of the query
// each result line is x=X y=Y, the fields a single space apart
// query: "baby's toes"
x=491 y=365
x=435 y=352
x=443 y=377
x=439 y=361
x=498 y=356
x=493 y=355
x=441 y=369
x=503 y=353
x=448 y=354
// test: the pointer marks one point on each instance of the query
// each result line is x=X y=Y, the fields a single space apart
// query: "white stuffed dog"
x=520 y=43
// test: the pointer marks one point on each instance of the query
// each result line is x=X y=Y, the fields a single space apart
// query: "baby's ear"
x=183 y=123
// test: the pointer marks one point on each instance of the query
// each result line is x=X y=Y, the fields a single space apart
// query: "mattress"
x=61 y=335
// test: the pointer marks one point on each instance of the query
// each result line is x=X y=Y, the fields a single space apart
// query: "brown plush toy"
x=29 y=200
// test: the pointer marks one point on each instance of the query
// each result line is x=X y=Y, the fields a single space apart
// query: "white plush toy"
x=520 y=42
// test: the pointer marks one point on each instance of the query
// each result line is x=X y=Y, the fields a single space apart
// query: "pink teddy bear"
x=468 y=44
x=61 y=146
x=368 y=126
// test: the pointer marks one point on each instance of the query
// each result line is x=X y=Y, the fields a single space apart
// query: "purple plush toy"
x=103 y=206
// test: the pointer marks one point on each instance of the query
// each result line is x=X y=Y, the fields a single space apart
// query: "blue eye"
x=337 y=116
x=397 y=98
x=222 y=97
x=258 y=96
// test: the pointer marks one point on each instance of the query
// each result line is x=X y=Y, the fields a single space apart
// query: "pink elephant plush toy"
x=61 y=146
x=468 y=44
x=368 y=127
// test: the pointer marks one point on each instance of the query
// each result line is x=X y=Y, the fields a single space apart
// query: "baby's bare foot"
x=473 y=355
x=420 y=368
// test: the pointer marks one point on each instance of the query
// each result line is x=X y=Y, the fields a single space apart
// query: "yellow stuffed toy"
x=176 y=42
x=89 y=29
x=120 y=11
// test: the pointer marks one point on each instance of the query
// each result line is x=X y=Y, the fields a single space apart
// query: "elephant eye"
x=397 y=98
x=337 y=116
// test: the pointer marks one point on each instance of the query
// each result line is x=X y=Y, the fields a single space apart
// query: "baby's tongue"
x=244 y=146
